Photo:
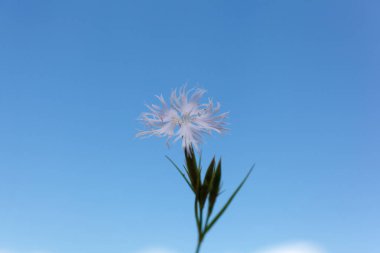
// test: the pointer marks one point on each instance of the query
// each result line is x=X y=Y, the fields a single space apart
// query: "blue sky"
x=299 y=78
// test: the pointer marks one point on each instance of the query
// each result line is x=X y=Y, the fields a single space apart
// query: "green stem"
x=201 y=218
x=197 y=217
x=201 y=229
x=198 y=246
x=206 y=224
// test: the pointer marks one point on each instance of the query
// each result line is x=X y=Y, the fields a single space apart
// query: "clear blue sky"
x=300 y=79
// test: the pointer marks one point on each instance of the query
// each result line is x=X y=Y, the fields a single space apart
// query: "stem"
x=198 y=246
x=201 y=232
x=198 y=217
x=207 y=220
x=199 y=226
x=201 y=218
x=198 y=209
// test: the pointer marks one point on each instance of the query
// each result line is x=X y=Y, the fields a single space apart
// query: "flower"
x=184 y=119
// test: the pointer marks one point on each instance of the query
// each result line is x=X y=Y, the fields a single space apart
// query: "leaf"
x=192 y=169
x=214 y=187
x=209 y=174
x=180 y=172
x=205 y=187
x=209 y=226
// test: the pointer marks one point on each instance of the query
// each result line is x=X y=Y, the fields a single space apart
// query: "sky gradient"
x=299 y=78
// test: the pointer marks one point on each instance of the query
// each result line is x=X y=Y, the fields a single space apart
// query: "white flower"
x=185 y=118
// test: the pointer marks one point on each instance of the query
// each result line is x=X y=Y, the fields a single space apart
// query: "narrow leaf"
x=209 y=226
x=180 y=172
x=205 y=188
x=214 y=187
x=209 y=173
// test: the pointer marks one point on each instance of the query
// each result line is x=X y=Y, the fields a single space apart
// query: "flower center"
x=184 y=119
